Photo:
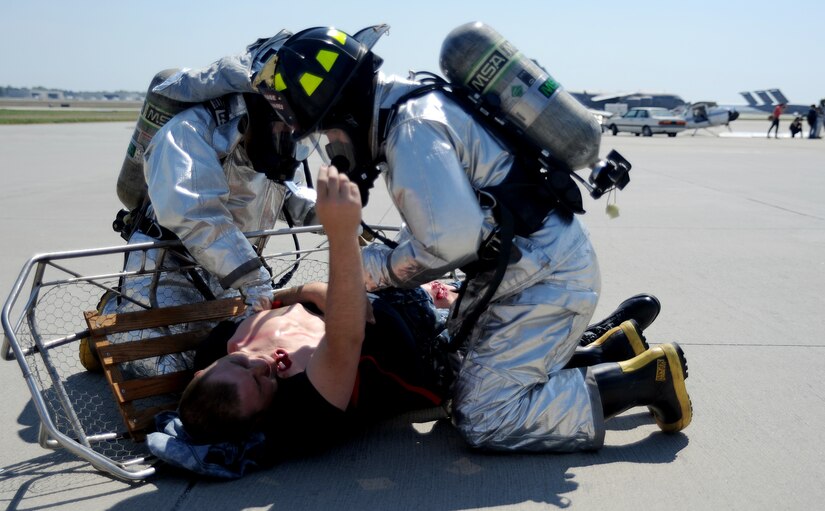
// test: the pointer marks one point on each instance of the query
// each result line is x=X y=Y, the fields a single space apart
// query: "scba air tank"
x=156 y=111
x=477 y=57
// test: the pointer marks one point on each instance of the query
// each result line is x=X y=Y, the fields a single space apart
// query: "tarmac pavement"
x=728 y=232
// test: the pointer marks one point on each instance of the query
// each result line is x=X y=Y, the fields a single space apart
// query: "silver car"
x=647 y=121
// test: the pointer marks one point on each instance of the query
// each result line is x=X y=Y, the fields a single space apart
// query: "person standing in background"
x=777 y=112
x=812 y=118
x=820 y=110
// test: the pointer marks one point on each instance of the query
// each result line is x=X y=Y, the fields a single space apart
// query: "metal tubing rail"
x=50 y=435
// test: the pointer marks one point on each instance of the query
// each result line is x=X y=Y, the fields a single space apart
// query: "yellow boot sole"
x=676 y=366
x=675 y=359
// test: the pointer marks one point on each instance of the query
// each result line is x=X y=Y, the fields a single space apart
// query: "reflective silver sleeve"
x=376 y=272
x=300 y=203
x=189 y=192
x=226 y=75
x=428 y=184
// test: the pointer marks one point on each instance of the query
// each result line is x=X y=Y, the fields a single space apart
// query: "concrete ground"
x=729 y=232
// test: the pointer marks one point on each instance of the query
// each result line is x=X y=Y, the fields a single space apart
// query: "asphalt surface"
x=728 y=232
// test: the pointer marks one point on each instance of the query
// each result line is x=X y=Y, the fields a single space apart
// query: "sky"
x=700 y=49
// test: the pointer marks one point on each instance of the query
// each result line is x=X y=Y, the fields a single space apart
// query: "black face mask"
x=352 y=114
x=352 y=157
x=270 y=147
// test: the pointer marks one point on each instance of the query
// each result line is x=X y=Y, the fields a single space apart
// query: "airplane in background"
x=766 y=100
x=706 y=114
x=621 y=102
x=605 y=105
x=698 y=115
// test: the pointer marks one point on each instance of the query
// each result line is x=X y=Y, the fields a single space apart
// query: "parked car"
x=647 y=121
x=601 y=117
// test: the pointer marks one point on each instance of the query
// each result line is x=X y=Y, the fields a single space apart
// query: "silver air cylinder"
x=480 y=59
x=156 y=111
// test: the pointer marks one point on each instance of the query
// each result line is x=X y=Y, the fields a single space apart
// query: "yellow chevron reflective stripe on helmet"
x=310 y=82
x=326 y=58
x=338 y=36
x=278 y=82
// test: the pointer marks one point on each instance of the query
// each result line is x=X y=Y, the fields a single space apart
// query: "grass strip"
x=12 y=116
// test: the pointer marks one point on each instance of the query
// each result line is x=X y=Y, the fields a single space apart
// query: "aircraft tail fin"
x=780 y=98
x=763 y=95
x=749 y=98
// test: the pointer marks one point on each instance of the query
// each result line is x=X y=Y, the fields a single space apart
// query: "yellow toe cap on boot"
x=88 y=357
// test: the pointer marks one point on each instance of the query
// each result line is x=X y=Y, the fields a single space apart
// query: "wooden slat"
x=102 y=325
x=128 y=392
x=139 y=420
x=141 y=388
x=114 y=376
x=145 y=348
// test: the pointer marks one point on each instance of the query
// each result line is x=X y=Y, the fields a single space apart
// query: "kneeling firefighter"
x=481 y=170
x=221 y=164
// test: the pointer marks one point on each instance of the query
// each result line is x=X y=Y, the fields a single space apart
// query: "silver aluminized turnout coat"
x=201 y=182
x=203 y=188
x=512 y=392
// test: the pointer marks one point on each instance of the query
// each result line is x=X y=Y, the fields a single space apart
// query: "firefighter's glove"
x=256 y=289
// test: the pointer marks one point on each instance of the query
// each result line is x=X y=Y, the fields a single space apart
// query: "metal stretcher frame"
x=43 y=322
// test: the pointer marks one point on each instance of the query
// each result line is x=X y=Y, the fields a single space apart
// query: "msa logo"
x=548 y=88
x=517 y=91
x=155 y=116
x=488 y=70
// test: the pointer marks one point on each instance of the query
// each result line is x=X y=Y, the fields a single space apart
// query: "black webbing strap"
x=139 y=220
x=200 y=284
x=500 y=247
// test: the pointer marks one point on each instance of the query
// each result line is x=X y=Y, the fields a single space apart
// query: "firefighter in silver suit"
x=514 y=390
x=220 y=168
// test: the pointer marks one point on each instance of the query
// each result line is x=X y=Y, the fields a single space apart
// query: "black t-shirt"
x=301 y=422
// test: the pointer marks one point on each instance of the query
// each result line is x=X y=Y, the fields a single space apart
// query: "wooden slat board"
x=129 y=351
x=128 y=391
x=102 y=325
x=142 y=388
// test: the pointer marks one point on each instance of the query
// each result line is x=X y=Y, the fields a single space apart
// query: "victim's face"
x=253 y=376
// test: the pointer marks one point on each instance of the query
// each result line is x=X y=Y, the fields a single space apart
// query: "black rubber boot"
x=642 y=308
x=655 y=379
x=617 y=344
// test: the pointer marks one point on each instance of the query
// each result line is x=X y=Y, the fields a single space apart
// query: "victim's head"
x=229 y=399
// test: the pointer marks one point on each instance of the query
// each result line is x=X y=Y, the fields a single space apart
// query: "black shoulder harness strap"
x=535 y=185
x=499 y=249
x=539 y=168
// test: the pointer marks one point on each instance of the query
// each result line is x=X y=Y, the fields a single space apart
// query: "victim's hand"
x=339 y=203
